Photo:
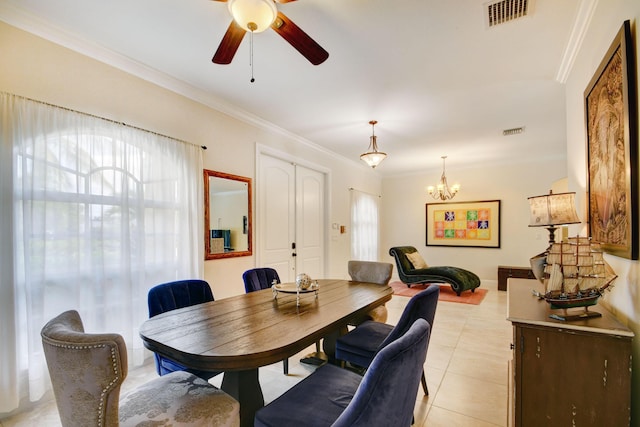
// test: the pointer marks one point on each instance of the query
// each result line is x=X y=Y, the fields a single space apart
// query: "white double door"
x=291 y=212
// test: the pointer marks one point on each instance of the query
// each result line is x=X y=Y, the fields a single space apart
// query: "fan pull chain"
x=251 y=55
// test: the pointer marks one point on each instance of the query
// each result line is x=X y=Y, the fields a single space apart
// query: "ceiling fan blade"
x=229 y=44
x=299 y=39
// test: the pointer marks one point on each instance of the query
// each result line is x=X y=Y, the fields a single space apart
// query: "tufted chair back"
x=259 y=278
x=179 y=294
x=86 y=371
x=171 y=296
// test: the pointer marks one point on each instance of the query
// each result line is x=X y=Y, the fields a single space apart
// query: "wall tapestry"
x=472 y=224
x=612 y=150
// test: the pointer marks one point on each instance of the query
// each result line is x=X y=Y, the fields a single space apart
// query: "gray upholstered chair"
x=87 y=371
x=373 y=272
x=458 y=278
x=336 y=397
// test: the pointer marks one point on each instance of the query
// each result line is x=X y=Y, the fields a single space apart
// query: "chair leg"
x=285 y=366
x=317 y=346
x=424 y=385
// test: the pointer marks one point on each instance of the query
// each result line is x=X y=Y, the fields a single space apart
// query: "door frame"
x=261 y=150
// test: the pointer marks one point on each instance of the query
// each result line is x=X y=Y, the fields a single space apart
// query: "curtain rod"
x=204 y=147
x=371 y=194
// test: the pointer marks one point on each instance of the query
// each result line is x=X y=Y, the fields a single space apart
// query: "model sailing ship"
x=576 y=275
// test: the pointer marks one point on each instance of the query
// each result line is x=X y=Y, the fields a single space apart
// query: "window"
x=100 y=212
x=364 y=226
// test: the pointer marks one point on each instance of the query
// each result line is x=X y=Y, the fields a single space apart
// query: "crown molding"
x=44 y=29
x=580 y=27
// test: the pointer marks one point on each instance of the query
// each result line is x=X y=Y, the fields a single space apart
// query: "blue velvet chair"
x=262 y=278
x=359 y=346
x=259 y=278
x=171 y=296
x=336 y=397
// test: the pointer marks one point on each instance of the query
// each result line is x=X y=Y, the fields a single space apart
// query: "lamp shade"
x=253 y=15
x=553 y=209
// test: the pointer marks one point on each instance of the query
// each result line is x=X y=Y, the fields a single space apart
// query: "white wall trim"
x=578 y=32
x=76 y=43
x=283 y=155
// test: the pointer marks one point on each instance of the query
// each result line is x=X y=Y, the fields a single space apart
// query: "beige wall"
x=35 y=68
x=624 y=298
x=404 y=200
x=41 y=70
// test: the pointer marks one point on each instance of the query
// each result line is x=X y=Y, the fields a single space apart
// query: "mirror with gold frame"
x=227 y=215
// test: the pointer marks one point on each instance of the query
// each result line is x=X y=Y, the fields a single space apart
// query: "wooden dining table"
x=239 y=334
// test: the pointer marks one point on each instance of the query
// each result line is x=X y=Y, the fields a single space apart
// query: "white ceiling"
x=438 y=81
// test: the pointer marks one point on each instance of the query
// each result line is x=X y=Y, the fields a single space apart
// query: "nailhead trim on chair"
x=114 y=363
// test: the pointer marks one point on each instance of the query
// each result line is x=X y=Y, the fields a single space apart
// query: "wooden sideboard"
x=506 y=272
x=566 y=373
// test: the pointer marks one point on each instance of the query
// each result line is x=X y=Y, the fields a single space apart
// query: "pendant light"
x=373 y=157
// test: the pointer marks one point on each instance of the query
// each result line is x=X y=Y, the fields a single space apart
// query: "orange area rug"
x=446 y=293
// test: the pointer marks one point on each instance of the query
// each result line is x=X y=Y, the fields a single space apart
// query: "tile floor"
x=466 y=368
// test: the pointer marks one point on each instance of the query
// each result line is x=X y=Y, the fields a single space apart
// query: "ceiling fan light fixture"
x=373 y=157
x=253 y=15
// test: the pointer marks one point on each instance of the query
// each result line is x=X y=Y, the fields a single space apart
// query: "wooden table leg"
x=329 y=344
x=245 y=388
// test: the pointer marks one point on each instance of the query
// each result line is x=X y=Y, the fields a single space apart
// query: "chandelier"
x=373 y=157
x=442 y=190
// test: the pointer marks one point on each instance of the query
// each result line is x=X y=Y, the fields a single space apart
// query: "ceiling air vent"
x=513 y=131
x=501 y=11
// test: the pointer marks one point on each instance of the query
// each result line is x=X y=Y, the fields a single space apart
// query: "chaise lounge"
x=413 y=270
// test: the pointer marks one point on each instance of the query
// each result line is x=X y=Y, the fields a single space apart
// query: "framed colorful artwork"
x=611 y=118
x=465 y=224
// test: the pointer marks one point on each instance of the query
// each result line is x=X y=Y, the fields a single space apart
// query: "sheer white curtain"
x=364 y=226
x=93 y=214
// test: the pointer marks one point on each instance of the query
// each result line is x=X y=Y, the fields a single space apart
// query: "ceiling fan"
x=258 y=15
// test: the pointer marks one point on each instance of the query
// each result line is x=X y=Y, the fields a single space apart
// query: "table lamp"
x=550 y=211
